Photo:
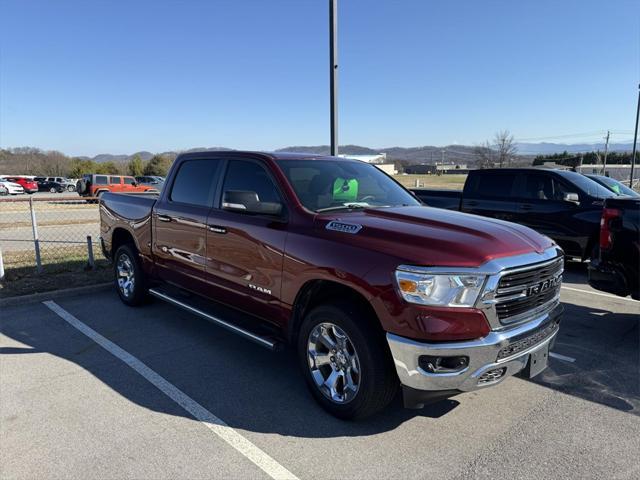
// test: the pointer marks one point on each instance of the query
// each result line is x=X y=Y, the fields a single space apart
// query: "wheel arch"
x=318 y=291
x=122 y=236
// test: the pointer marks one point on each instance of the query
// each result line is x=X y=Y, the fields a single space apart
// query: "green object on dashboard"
x=345 y=190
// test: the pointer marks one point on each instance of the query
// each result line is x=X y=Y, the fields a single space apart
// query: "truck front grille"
x=529 y=290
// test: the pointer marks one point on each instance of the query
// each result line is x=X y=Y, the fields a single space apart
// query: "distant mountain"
x=145 y=155
x=550 y=148
x=425 y=154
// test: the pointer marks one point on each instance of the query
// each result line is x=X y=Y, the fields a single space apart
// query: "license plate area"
x=538 y=361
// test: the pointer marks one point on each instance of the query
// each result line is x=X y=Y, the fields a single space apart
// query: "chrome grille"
x=528 y=290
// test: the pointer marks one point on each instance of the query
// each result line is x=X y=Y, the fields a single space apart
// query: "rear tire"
x=341 y=389
x=128 y=276
x=71 y=188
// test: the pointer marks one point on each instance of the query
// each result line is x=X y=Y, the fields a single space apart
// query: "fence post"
x=1 y=267
x=36 y=242
x=90 y=262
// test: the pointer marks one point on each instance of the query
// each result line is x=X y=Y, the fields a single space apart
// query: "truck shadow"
x=247 y=386
x=605 y=347
x=257 y=390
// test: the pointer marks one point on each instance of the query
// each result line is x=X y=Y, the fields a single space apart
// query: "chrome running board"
x=259 y=339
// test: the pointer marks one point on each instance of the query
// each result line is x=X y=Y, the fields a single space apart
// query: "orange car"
x=94 y=185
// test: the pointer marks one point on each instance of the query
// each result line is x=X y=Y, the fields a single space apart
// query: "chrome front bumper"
x=483 y=356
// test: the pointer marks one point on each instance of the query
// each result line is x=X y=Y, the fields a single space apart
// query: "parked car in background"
x=614 y=268
x=29 y=186
x=614 y=185
x=561 y=204
x=94 y=185
x=51 y=187
x=69 y=185
x=12 y=188
x=151 y=180
x=333 y=257
x=3 y=190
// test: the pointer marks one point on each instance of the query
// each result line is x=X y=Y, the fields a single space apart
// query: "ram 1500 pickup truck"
x=334 y=257
x=563 y=205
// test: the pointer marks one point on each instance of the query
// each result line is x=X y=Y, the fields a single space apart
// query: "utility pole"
x=635 y=141
x=442 y=162
x=606 y=149
x=333 y=73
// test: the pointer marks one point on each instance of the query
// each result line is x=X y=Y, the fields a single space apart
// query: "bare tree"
x=485 y=155
x=505 y=147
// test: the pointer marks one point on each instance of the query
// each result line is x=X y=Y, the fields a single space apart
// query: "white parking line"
x=215 y=424
x=590 y=292
x=564 y=358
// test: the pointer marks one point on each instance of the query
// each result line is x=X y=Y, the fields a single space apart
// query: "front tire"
x=129 y=277
x=346 y=361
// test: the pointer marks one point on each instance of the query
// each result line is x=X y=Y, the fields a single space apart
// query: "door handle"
x=471 y=203
x=217 y=229
x=526 y=206
x=164 y=218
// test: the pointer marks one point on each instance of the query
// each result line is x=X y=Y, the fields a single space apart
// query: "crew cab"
x=332 y=256
x=94 y=185
x=561 y=204
x=615 y=267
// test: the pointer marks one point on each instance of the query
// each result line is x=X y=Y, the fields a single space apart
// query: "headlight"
x=441 y=289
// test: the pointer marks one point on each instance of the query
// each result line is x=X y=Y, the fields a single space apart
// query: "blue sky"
x=87 y=77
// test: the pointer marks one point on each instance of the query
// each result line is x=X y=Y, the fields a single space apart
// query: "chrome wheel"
x=333 y=362
x=125 y=275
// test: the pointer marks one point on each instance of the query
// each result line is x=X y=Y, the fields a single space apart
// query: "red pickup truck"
x=332 y=256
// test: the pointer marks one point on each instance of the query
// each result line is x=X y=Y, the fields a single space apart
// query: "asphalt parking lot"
x=93 y=389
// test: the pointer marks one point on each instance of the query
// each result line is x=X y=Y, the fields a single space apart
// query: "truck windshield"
x=587 y=185
x=615 y=186
x=325 y=185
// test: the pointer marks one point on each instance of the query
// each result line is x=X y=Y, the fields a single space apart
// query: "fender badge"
x=344 y=227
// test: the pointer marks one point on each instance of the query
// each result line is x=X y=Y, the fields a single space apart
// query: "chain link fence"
x=45 y=234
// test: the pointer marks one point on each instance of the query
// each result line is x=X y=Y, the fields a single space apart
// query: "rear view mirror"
x=246 y=201
x=572 y=198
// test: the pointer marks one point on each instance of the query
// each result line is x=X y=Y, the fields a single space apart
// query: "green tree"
x=80 y=166
x=107 y=167
x=158 y=165
x=136 y=166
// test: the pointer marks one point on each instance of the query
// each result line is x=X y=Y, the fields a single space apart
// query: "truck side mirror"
x=245 y=201
x=572 y=198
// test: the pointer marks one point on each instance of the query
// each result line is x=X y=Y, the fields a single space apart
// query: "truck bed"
x=129 y=206
x=449 y=199
x=131 y=213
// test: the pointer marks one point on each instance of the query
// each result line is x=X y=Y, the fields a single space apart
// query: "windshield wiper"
x=350 y=206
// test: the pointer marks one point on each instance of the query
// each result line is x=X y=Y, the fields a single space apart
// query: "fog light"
x=433 y=364
x=492 y=376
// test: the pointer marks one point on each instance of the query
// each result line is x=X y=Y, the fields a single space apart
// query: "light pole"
x=635 y=141
x=333 y=73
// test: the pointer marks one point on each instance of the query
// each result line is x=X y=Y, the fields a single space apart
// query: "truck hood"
x=433 y=236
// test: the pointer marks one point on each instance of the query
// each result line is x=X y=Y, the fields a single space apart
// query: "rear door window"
x=196 y=182
x=497 y=185
x=114 y=180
